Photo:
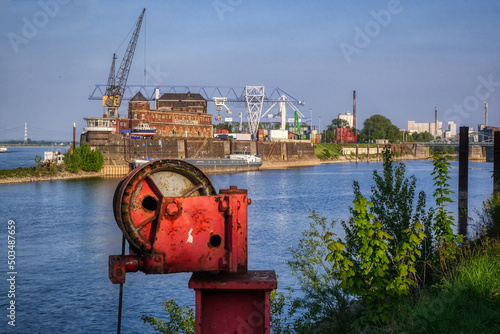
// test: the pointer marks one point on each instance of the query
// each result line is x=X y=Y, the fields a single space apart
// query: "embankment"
x=59 y=176
x=120 y=151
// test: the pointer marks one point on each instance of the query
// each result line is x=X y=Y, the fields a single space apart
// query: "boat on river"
x=3 y=149
x=235 y=162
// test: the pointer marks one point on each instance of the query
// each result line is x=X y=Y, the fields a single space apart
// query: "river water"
x=65 y=231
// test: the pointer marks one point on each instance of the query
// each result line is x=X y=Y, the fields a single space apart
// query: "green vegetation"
x=466 y=301
x=31 y=172
x=326 y=151
x=422 y=136
x=443 y=149
x=181 y=320
x=379 y=127
x=399 y=268
x=489 y=218
x=34 y=143
x=84 y=158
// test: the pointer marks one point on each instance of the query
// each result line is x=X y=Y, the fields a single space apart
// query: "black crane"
x=115 y=88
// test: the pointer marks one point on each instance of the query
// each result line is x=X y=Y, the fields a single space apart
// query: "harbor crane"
x=254 y=98
x=115 y=88
x=221 y=102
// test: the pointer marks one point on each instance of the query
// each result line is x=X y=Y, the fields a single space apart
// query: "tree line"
x=375 y=127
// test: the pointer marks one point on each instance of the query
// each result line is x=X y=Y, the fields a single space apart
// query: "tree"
x=422 y=136
x=380 y=127
x=85 y=158
x=338 y=123
x=223 y=126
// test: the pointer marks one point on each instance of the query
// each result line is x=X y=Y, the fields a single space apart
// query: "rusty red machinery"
x=174 y=221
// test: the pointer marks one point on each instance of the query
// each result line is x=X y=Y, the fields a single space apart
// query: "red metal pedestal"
x=233 y=303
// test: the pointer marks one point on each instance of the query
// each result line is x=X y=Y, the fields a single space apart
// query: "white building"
x=429 y=127
x=348 y=117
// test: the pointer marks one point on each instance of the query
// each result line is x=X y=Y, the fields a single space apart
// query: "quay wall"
x=119 y=151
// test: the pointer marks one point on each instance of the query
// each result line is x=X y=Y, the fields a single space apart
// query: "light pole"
x=311 y=111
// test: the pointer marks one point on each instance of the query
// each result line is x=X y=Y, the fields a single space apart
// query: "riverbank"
x=63 y=175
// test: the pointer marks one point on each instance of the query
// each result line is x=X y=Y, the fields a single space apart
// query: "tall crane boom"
x=116 y=84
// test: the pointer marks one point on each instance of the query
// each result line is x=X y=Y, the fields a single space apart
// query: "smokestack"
x=354 y=109
x=435 y=121
x=157 y=97
x=485 y=114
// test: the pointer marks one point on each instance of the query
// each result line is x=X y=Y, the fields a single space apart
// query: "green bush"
x=466 y=301
x=181 y=320
x=388 y=247
x=489 y=218
x=84 y=158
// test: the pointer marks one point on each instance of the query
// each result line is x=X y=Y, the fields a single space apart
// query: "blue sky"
x=403 y=58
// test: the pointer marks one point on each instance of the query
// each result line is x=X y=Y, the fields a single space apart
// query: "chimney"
x=157 y=97
x=354 y=109
x=435 y=121
x=485 y=114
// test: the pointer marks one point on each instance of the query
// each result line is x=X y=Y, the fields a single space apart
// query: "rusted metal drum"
x=142 y=198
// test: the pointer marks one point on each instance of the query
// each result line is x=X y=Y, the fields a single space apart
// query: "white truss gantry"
x=254 y=98
x=221 y=102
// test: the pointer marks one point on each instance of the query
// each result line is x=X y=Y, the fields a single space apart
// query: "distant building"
x=177 y=115
x=429 y=127
x=452 y=130
x=348 y=117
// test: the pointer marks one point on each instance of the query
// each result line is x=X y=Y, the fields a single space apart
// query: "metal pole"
x=496 y=161
x=463 y=171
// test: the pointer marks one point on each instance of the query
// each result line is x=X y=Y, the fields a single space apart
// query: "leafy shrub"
x=181 y=320
x=84 y=158
x=489 y=218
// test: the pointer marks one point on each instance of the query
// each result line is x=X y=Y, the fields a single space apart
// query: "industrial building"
x=348 y=117
x=176 y=115
x=426 y=127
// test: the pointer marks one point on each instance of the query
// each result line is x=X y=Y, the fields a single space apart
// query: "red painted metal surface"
x=198 y=232
x=174 y=222
x=233 y=303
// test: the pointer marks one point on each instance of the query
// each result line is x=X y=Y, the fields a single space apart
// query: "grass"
x=327 y=151
x=466 y=301
x=30 y=172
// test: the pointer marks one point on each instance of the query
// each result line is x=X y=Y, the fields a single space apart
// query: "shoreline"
x=266 y=166
x=61 y=176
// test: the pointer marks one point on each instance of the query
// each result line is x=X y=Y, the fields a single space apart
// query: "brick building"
x=176 y=115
